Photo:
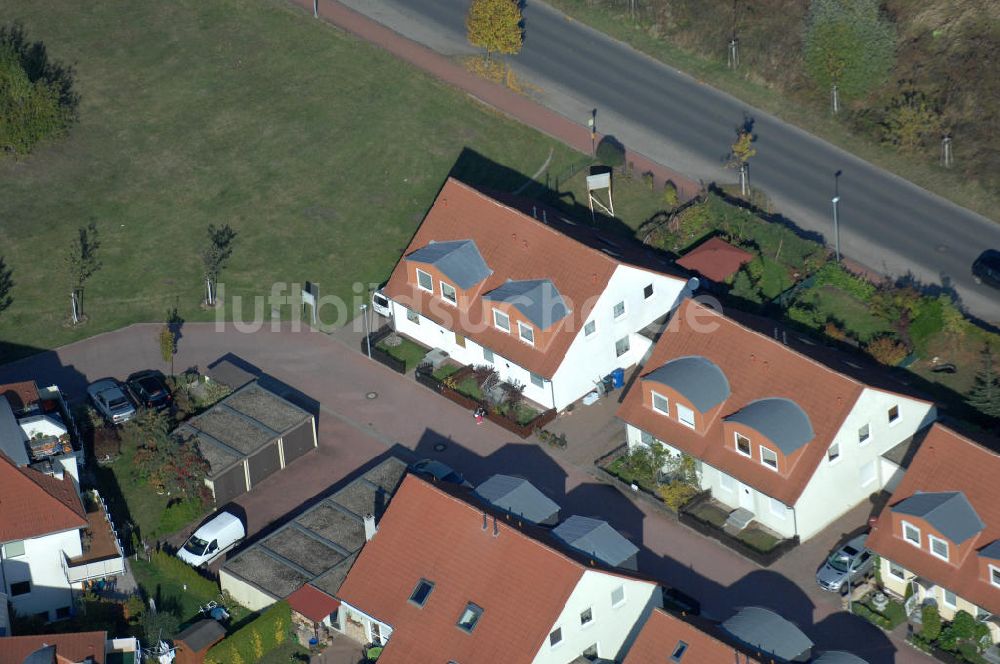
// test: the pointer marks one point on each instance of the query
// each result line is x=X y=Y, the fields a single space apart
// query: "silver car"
x=111 y=401
x=850 y=562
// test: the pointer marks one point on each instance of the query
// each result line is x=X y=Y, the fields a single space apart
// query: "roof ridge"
x=33 y=477
x=27 y=473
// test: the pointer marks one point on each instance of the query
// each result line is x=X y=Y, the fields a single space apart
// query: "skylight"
x=470 y=617
x=421 y=592
x=679 y=651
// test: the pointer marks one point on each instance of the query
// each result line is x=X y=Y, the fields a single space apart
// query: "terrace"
x=102 y=552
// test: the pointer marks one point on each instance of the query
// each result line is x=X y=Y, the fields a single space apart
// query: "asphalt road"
x=886 y=223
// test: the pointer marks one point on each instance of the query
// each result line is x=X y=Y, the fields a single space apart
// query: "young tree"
x=495 y=25
x=168 y=346
x=740 y=153
x=985 y=393
x=81 y=264
x=849 y=46
x=6 y=286
x=911 y=122
x=216 y=257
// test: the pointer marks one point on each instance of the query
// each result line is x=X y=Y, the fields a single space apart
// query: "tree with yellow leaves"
x=495 y=25
x=740 y=153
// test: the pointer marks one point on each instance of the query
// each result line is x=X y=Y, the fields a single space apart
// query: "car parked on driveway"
x=149 y=389
x=986 y=268
x=109 y=398
x=850 y=562
x=440 y=472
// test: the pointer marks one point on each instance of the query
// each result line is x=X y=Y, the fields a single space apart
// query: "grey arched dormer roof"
x=459 y=260
x=767 y=631
x=782 y=420
x=948 y=511
x=838 y=657
x=696 y=378
x=538 y=299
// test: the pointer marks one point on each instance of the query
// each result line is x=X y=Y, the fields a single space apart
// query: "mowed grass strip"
x=322 y=151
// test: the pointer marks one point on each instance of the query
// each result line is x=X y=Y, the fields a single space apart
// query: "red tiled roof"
x=514 y=246
x=662 y=634
x=20 y=395
x=426 y=533
x=715 y=259
x=756 y=367
x=33 y=504
x=73 y=647
x=312 y=602
x=947 y=461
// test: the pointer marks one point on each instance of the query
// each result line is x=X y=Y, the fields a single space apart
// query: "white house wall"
x=42 y=565
x=612 y=629
x=245 y=594
x=836 y=487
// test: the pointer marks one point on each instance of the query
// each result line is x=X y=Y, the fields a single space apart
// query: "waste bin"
x=618 y=378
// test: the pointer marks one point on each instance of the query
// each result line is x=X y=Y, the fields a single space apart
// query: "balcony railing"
x=102 y=555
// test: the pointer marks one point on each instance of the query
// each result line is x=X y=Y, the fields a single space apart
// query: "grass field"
x=321 y=151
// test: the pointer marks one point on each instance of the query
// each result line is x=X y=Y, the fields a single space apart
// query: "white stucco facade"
x=837 y=485
x=589 y=357
x=245 y=593
x=612 y=625
x=41 y=566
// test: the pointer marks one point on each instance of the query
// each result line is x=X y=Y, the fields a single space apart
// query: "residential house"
x=793 y=442
x=683 y=639
x=442 y=580
x=71 y=648
x=939 y=538
x=547 y=303
x=50 y=543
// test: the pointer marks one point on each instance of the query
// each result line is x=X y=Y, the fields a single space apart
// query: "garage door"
x=229 y=484
x=298 y=441
x=264 y=463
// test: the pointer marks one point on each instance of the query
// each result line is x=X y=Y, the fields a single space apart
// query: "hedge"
x=252 y=641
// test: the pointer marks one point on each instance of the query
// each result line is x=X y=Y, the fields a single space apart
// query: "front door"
x=459 y=340
x=746 y=497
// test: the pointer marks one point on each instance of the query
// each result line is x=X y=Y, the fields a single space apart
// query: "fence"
x=424 y=377
x=379 y=355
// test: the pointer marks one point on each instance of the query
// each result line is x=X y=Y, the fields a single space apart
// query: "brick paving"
x=410 y=420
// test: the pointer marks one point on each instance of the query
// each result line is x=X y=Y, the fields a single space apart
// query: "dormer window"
x=448 y=293
x=939 y=547
x=501 y=320
x=425 y=281
x=526 y=333
x=743 y=445
x=685 y=415
x=911 y=534
x=661 y=404
x=769 y=458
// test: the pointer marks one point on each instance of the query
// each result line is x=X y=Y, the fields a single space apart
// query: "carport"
x=247 y=437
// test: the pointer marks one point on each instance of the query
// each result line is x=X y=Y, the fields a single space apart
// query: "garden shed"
x=247 y=437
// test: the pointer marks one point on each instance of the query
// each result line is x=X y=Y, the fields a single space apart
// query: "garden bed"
x=616 y=469
x=753 y=543
x=888 y=619
x=395 y=351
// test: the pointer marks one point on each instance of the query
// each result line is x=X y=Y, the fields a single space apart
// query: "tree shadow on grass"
x=34 y=58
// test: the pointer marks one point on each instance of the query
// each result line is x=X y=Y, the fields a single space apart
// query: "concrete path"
x=410 y=420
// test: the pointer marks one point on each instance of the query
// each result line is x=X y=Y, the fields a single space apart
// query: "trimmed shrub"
x=887 y=351
x=931 y=623
x=611 y=152
x=835 y=275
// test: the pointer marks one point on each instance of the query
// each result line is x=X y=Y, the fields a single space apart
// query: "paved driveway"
x=410 y=420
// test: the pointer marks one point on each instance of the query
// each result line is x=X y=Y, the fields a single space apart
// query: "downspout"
x=552 y=391
x=795 y=520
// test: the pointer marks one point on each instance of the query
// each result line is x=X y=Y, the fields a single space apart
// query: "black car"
x=149 y=389
x=986 y=269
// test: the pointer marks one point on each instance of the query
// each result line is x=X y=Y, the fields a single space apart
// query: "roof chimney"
x=545 y=216
x=534 y=211
x=496 y=528
x=370 y=528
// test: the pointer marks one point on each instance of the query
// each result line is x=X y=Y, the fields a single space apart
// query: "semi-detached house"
x=792 y=441
x=546 y=302
x=939 y=538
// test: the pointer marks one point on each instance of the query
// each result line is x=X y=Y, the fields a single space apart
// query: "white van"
x=380 y=303
x=221 y=533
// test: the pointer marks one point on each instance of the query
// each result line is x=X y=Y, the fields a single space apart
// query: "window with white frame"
x=20 y=588
x=621 y=346
x=911 y=534
x=589 y=328
x=413 y=316
x=866 y=473
x=727 y=482
x=646 y=438
x=618 y=310
x=833 y=453
x=647 y=292
x=995 y=575
x=586 y=616
x=950 y=599
x=897 y=571
x=769 y=458
x=501 y=320
x=537 y=380
x=526 y=333
x=778 y=508
x=661 y=404
x=13 y=549
x=487 y=354
x=939 y=547
x=449 y=293
x=743 y=445
x=685 y=415
x=893 y=414
x=864 y=434
x=425 y=281
x=618 y=596
x=555 y=637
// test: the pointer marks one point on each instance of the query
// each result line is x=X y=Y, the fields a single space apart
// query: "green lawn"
x=852 y=314
x=711 y=513
x=408 y=351
x=758 y=539
x=619 y=469
x=321 y=151
x=175 y=585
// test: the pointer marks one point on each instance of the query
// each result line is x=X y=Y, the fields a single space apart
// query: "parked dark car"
x=440 y=472
x=149 y=389
x=986 y=268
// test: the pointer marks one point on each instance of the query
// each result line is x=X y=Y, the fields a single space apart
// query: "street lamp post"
x=368 y=338
x=836 y=226
x=592 y=123
x=315 y=8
